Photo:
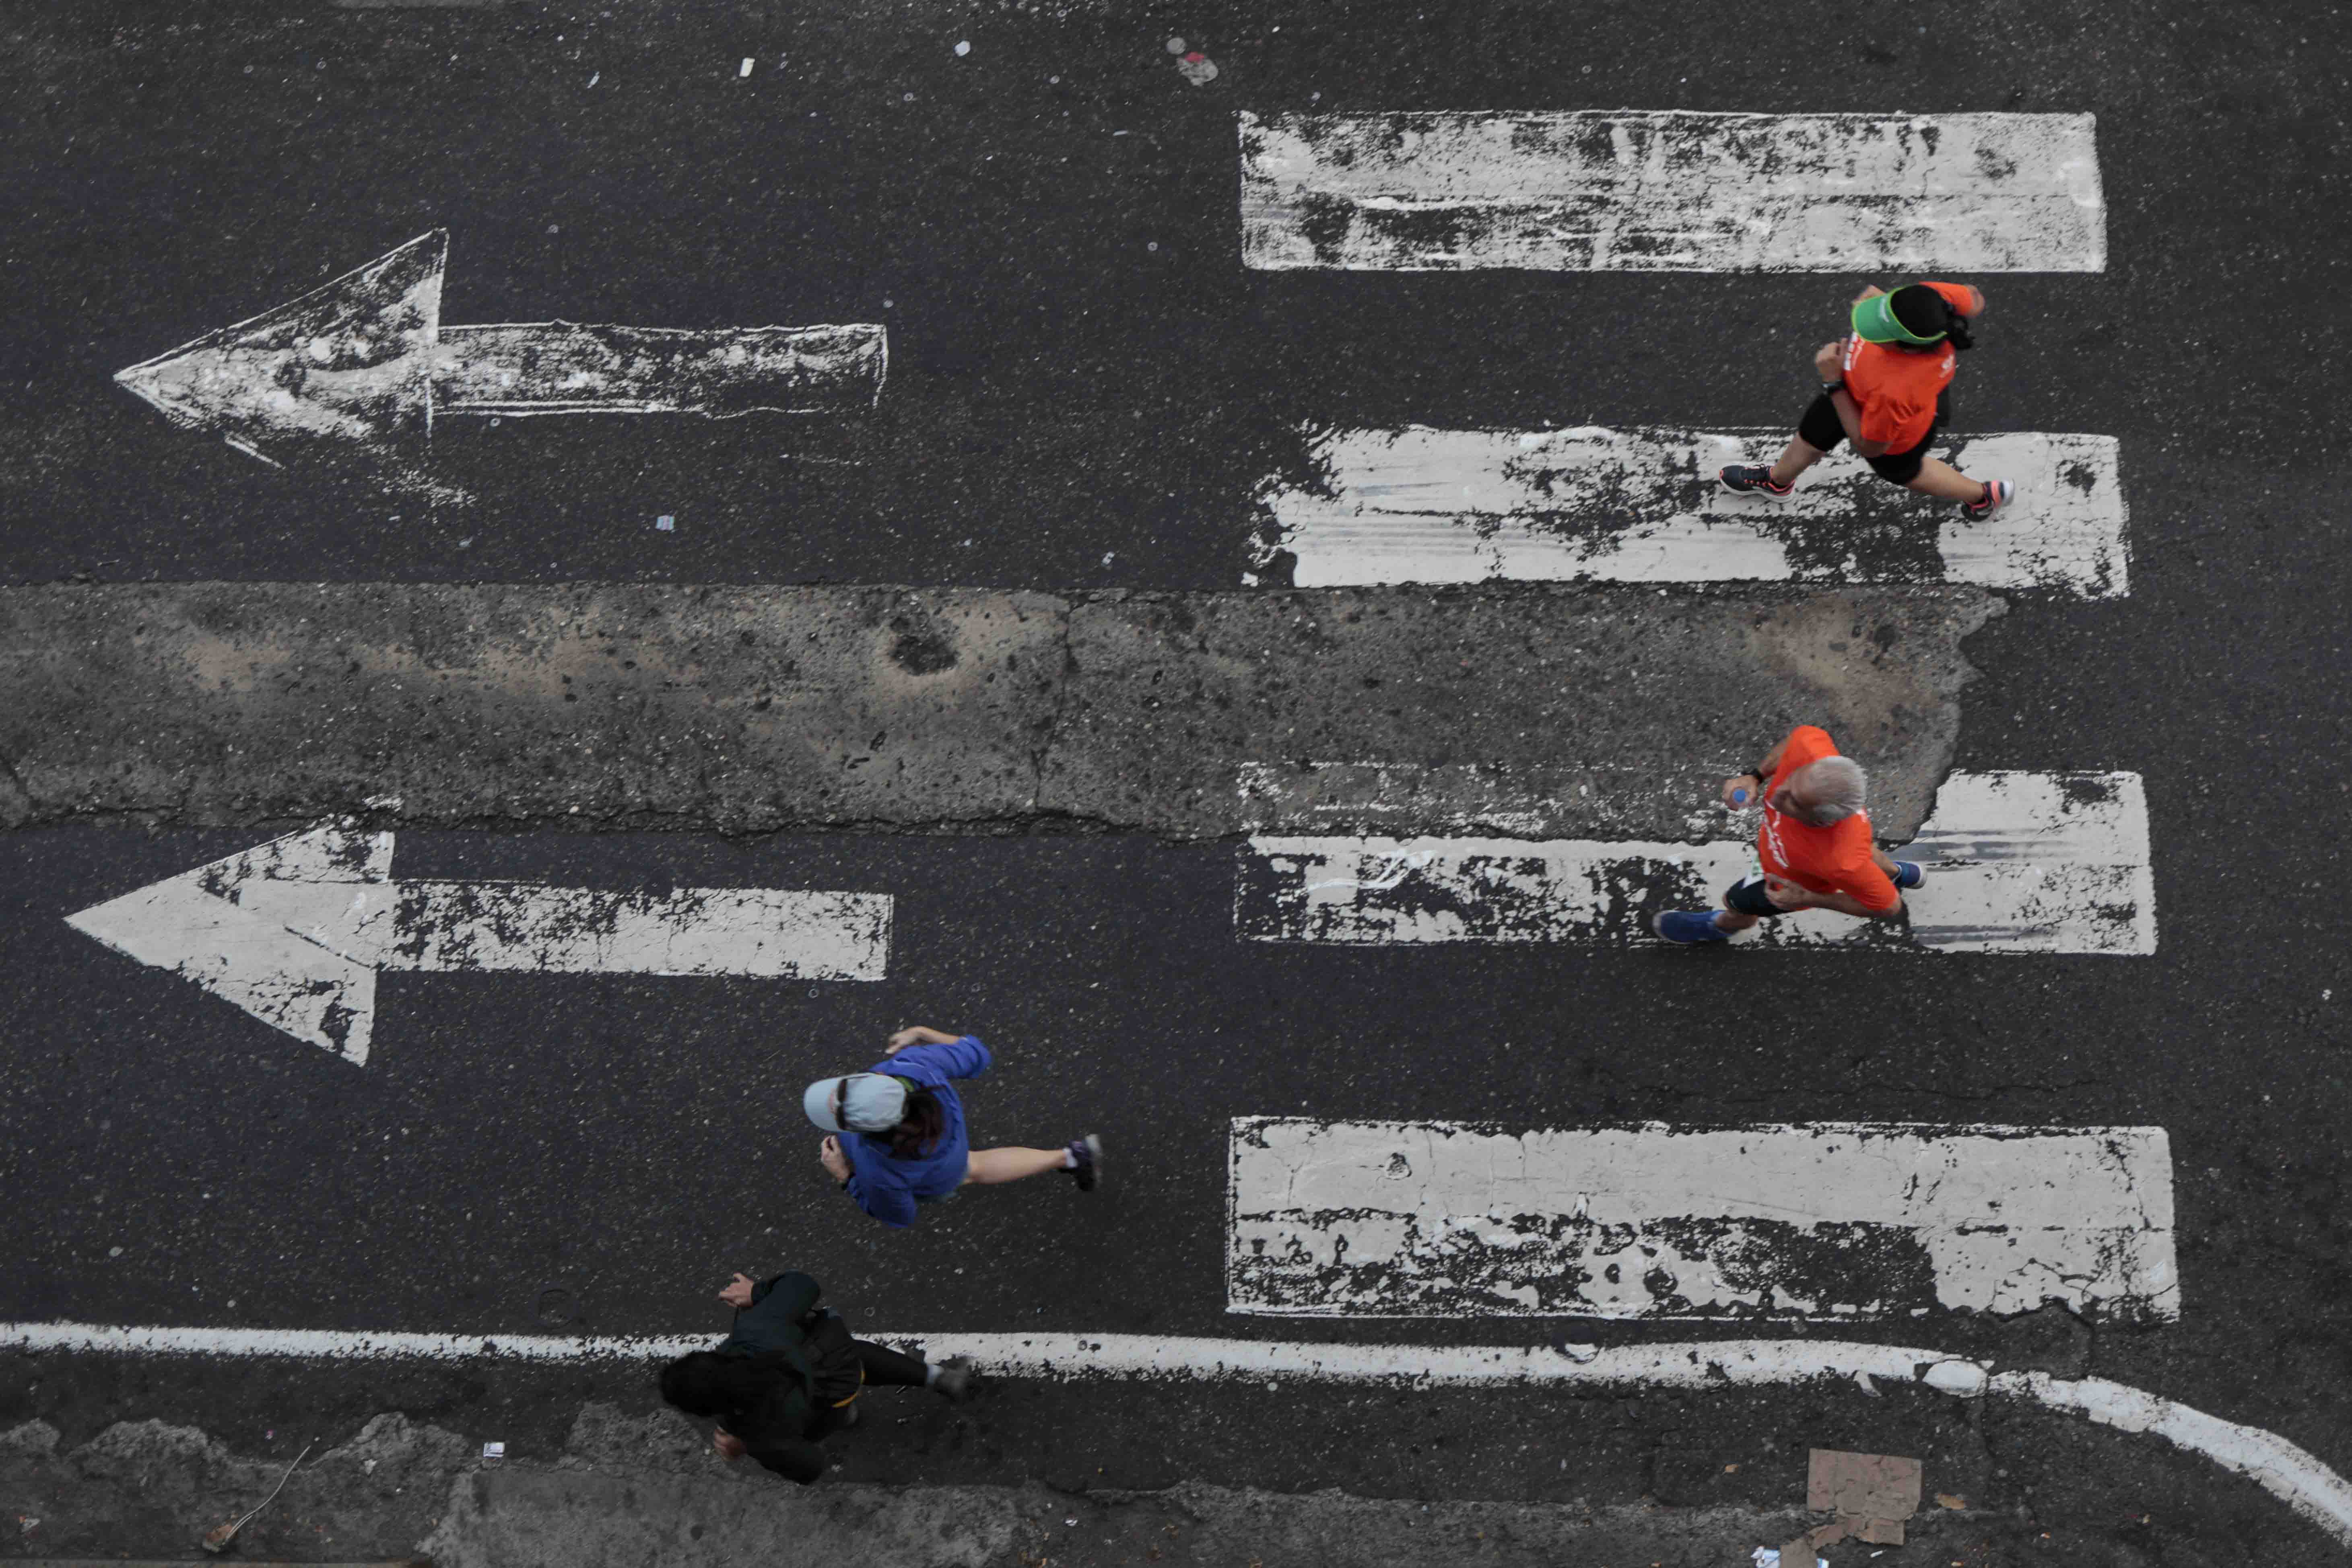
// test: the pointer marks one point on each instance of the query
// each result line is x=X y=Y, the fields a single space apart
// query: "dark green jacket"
x=812 y=1365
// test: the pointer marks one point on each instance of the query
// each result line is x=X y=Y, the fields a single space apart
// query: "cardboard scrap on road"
x=1871 y=1495
x=1861 y=1486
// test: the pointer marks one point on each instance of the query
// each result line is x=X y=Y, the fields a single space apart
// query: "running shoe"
x=1998 y=494
x=1689 y=926
x=1750 y=478
x=1909 y=873
x=954 y=1380
x=1086 y=1156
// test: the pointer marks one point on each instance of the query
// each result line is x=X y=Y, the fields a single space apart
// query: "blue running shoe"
x=1689 y=926
x=1910 y=874
x=1086 y=1161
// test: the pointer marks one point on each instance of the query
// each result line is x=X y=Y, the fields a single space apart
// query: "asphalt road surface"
x=1088 y=391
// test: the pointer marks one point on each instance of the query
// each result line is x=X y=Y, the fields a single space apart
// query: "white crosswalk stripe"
x=1643 y=505
x=1819 y=1220
x=2016 y=862
x=1674 y=191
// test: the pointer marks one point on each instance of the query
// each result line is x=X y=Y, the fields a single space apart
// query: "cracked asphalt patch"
x=754 y=710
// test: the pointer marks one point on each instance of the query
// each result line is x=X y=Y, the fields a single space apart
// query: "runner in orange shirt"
x=1884 y=389
x=1815 y=844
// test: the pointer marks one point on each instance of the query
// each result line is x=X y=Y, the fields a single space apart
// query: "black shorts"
x=1747 y=896
x=1821 y=428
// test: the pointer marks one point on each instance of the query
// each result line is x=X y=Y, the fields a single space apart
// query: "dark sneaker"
x=1086 y=1171
x=1910 y=874
x=1689 y=926
x=1752 y=478
x=1998 y=494
x=954 y=1380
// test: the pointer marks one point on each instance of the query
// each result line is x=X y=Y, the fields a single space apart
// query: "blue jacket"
x=887 y=1186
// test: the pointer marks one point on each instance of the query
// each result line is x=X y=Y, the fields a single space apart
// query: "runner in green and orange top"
x=1815 y=845
x=1884 y=390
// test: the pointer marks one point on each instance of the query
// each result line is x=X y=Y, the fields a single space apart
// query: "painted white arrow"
x=295 y=931
x=365 y=360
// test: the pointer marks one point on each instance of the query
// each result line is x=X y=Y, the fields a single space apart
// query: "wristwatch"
x=1831 y=388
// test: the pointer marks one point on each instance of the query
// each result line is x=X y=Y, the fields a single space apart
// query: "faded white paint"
x=1672 y=191
x=295 y=931
x=364 y=361
x=2292 y=1475
x=557 y=367
x=1421 y=505
x=2035 y=862
x=2016 y=862
x=1820 y=1220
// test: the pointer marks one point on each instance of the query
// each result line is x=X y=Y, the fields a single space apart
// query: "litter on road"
x=1870 y=1494
x=216 y=1539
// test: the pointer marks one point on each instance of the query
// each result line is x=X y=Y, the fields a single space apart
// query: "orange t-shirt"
x=1895 y=388
x=1832 y=859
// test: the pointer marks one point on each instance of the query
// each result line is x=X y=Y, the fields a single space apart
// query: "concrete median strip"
x=2287 y=1472
x=753 y=709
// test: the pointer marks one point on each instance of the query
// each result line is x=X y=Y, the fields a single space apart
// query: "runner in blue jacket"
x=903 y=1140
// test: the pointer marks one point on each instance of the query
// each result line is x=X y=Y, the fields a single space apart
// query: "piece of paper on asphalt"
x=1871 y=1494
x=1861 y=1486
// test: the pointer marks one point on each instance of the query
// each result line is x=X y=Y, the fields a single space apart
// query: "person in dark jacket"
x=903 y=1138
x=790 y=1374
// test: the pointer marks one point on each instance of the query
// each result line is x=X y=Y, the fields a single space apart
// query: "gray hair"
x=1832 y=788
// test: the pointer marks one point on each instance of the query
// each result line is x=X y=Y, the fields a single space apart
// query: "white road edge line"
x=1643 y=505
x=1672 y=191
x=2287 y=1472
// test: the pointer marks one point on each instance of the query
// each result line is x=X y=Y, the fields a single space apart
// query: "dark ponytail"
x=1924 y=312
x=920 y=1127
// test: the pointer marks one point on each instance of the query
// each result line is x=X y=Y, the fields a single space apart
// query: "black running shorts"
x=1820 y=428
x=1747 y=896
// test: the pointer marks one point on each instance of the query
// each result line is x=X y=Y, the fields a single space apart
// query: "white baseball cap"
x=866 y=1102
